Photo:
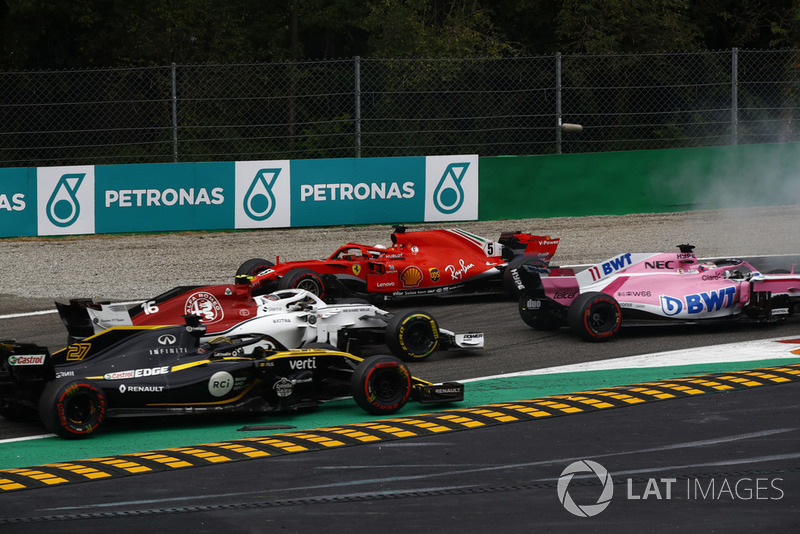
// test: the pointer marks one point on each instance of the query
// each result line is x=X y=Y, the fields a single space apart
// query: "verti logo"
x=448 y=197
x=586 y=510
x=259 y=201
x=63 y=207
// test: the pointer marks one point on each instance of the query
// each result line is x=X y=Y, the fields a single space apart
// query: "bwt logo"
x=699 y=302
x=611 y=266
x=63 y=208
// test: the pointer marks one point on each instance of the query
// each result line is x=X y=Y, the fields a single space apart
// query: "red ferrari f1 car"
x=426 y=262
x=654 y=289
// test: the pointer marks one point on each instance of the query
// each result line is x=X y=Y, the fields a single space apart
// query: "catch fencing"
x=361 y=107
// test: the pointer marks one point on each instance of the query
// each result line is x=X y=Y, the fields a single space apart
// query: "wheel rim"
x=385 y=385
x=80 y=409
x=309 y=284
x=418 y=336
x=601 y=318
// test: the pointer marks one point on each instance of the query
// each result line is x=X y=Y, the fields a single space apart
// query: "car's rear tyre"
x=251 y=267
x=72 y=409
x=412 y=335
x=543 y=320
x=381 y=385
x=594 y=316
x=303 y=279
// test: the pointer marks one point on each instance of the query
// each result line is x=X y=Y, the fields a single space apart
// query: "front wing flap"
x=438 y=393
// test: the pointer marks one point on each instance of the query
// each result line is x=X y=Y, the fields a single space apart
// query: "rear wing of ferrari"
x=521 y=244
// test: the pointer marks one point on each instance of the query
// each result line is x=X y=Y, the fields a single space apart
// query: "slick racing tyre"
x=381 y=384
x=303 y=279
x=594 y=316
x=72 y=409
x=250 y=268
x=538 y=319
x=412 y=335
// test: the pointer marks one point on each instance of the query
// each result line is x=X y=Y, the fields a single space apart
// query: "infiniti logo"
x=167 y=339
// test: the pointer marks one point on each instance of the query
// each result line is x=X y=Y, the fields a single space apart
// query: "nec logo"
x=699 y=302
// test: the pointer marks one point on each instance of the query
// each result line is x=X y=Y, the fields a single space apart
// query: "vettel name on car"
x=652 y=289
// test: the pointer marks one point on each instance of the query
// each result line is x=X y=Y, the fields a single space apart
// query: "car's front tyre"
x=412 y=335
x=381 y=385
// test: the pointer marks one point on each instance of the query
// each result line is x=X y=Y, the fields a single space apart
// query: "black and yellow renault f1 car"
x=143 y=371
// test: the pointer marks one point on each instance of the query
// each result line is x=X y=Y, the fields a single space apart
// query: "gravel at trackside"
x=139 y=266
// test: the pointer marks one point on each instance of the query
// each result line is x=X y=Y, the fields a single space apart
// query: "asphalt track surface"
x=503 y=476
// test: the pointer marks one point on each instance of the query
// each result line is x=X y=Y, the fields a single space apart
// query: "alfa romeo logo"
x=206 y=306
x=586 y=510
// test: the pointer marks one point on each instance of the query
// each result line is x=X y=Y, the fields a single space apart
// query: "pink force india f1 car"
x=653 y=289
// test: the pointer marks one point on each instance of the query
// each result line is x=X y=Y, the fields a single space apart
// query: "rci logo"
x=449 y=195
x=259 y=202
x=63 y=207
x=586 y=510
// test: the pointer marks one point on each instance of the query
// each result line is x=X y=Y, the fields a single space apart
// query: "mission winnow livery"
x=653 y=288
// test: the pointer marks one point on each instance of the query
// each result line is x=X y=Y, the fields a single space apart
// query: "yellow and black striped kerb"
x=389 y=429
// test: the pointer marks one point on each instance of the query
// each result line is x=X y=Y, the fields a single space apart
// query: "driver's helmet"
x=705 y=266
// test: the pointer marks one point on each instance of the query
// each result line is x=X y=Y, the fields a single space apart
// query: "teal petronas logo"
x=448 y=197
x=63 y=207
x=259 y=202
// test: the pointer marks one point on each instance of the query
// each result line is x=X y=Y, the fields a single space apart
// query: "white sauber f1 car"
x=295 y=317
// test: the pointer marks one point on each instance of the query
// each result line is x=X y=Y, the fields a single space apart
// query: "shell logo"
x=411 y=276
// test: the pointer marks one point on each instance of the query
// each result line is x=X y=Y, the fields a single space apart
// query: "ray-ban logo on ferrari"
x=259 y=201
x=63 y=207
x=448 y=197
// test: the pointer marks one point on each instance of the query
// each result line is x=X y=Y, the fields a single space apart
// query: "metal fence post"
x=357 y=114
x=734 y=96
x=558 y=102
x=174 y=116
